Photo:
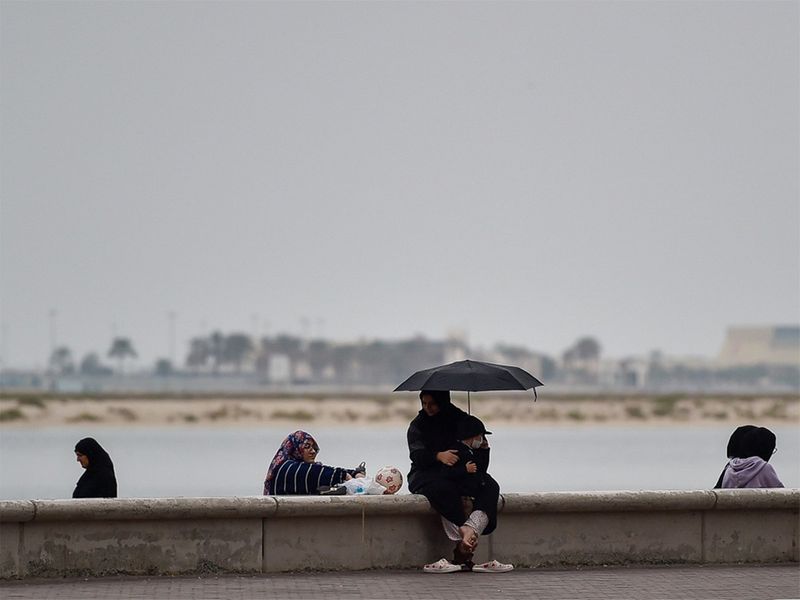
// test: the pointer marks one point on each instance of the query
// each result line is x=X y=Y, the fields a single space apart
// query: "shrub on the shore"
x=218 y=414
x=635 y=412
x=292 y=415
x=11 y=414
x=126 y=413
x=776 y=411
x=719 y=415
x=31 y=401
x=84 y=417
x=665 y=405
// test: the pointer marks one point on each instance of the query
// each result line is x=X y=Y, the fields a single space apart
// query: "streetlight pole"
x=52 y=316
x=171 y=316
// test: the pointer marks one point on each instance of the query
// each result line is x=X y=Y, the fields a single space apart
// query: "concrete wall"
x=55 y=538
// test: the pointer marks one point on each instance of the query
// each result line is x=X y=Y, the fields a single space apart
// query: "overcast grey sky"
x=527 y=171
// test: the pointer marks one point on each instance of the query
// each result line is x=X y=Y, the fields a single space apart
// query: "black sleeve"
x=482 y=459
x=455 y=473
x=421 y=456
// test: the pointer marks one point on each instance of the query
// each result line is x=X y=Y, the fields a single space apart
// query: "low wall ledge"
x=261 y=507
x=779 y=498
x=17 y=511
x=132 y=509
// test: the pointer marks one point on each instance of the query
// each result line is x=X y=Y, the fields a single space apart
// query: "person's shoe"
x=362 y=468
x=337 y=490
x=441 y=566
x=493 y=566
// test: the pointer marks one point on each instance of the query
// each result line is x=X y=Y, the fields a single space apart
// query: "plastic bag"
x=364 y=486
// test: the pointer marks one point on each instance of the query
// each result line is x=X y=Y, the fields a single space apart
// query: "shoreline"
x=336 y=410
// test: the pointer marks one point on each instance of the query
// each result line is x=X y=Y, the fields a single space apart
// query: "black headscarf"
x=735 y=441
x=759 y=441
x=749 y=440
x=99 y=480
x=440 y=429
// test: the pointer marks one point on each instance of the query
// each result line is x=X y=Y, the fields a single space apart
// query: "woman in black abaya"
x=431 y=439
x=98 y=481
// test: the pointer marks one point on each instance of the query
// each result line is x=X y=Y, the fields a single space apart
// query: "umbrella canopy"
x=471 y=376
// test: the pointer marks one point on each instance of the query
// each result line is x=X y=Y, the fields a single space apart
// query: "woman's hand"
x=447 y=457
x=471 y=467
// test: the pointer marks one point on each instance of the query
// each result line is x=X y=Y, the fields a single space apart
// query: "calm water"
x=153 y=462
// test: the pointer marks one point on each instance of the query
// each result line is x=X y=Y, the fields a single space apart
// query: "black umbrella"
x=471 y=376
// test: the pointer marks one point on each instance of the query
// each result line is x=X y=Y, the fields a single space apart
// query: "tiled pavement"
x=667 y=582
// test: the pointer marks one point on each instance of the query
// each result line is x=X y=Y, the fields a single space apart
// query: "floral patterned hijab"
x=291 y=449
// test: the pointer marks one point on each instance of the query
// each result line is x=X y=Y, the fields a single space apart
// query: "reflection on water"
x=157 y=462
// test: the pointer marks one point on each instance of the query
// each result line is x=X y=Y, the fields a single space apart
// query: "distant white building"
x=279 y=369
x=776 y=345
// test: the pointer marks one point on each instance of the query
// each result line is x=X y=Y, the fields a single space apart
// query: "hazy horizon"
x=524 y=172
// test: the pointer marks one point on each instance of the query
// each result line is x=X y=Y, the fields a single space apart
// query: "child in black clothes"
x=479 y=493
x=473 y=456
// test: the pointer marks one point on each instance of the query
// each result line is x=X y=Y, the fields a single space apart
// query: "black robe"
x=426 y=437
x=99 y=480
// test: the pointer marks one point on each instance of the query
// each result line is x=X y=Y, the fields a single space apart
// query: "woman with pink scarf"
x=294 y=470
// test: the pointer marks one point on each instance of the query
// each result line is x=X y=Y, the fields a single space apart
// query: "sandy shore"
x=26 y=410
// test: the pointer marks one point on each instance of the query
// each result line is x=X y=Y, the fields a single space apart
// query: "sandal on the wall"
x=492 y=567
x=441 y=566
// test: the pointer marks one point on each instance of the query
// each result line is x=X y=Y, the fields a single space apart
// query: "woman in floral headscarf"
x=293 y=470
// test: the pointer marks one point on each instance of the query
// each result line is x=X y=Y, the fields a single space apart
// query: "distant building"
x=279 y=369
x=778 y=345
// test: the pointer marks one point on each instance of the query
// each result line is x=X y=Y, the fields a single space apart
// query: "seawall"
x=58 y=538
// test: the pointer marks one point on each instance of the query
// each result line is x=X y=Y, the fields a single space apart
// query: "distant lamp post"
x=171 y=317
x=53 y=316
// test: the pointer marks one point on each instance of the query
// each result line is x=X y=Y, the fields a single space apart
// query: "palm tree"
x=199 y=350
x=216 y=349
x=91 y=365
x=236 y=348
x=121 y=348
x=61 y=361
x=588 y=348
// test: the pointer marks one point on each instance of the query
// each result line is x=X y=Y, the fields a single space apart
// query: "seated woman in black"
x=433 y=442
x=99 y=480
x=293 y=470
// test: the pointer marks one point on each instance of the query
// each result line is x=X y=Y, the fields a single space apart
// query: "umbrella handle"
x=469 y=410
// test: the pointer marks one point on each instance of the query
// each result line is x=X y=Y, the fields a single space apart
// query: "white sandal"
x=441 y=566
x=492 y=567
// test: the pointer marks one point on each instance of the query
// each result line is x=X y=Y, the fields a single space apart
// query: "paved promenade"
x=641 y=583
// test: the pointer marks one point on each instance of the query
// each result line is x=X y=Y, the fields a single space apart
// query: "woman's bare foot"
x=468 y=537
